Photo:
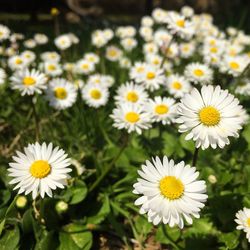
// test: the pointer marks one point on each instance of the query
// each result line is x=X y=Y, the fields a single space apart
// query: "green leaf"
x=230 y=239
x=48 y=241
x=75 y=237
x=10 y=239
x=101 y=214
x=79 y=192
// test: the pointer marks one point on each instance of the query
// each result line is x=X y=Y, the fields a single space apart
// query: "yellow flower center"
x=180 y=23
x=213 y=50
x=234 y=65
x=248 y=222
x=177 y=85
x=95 y=94
x=171 y=187
x=132 y=96
x=51 y=67
x=150 y=75
x=185 y=48
x=60 y=93
x=40 y=169
x=1 y=33
x=112 y=53
x=161 y=109
x=28 y=81
x=209 y=116
x=19 y=61
x=132 y=117
x=140 y=69
x=85 y=66
x=198 y=72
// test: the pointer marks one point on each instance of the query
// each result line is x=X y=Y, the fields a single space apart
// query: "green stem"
x=108 y=169
x=195 y=157
x=36 y=120
x=12 y=204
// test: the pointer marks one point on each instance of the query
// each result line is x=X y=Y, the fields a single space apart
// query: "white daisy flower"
x=243 y=221
x=92 y=57
x=179 y=25
x=98 y=39
x=159 y=15
x=187 y=11
x=30 y=43
x=84 y=66
x=161 y=109
x=28 y=82
x=177 y=85
x=243 y=87
x=2 y=76
x=137 y=71
x=125 y=63
x=147 y=21
x=131 y=117
x=17 y=62
x=234 y=65
x=198 y=73
x=210 y=116
x=187 y=49
x=29 y=56
x=130 y=92
x=150 y=48
x=50 y=56
x=4 y=32
x=146 y=33
x=40 y=169
x=41 y=38
x=128 y=43
x=170 y=193
x=63 y=42
x=95 y=95
x=52 y=69
x=61 y=94
x=152 y=78
x=113 y=53
x=103 y=80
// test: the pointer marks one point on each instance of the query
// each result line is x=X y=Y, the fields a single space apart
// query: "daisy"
x=210 y=116
x=187 y=49
x=41 y=38
x=131 y=93
x=137 y=71
x=17 y=62
x=4 y=32
x=152 y=78
x=146 y=33
x=40 y=169
x=95 y=95
x=2 y=76
x=125 y=63
x=85 y=67
x=198 y=73
x=234 y=65
x=179 y=25
x=92 y=58
x=63 y=42
x=162 y=109
x=113 y=53
x=61 y=94
x=30 y=43
x=50 y=56
x=128 y=43
x=170 y=193
x=159 y=15
x=147 y=21
x=28 y=81
x=177 y=85
x=131 y=117
x=29 y=56
x=98 y=39
x=243 y=221
x=103 y=80
x=243 y=87
x=52 y=69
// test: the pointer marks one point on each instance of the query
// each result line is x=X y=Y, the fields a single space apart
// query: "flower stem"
x=36 y=120
x=195 y=157
x=108 y=169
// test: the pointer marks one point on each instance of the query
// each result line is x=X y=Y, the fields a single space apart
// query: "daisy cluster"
x=178 y=69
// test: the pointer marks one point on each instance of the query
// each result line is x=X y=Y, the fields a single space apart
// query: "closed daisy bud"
x=21 y=202
x=169 y=193
x=61 y=207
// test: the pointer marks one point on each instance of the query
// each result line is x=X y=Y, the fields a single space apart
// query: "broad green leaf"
x=10 y=239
